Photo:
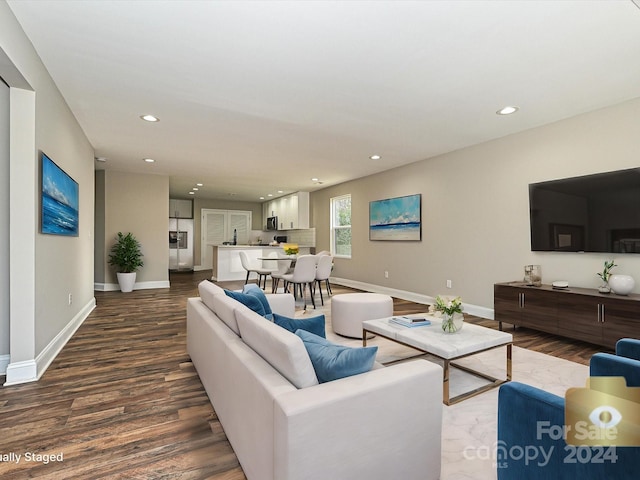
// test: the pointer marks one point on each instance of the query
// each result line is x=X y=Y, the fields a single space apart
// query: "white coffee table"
x=472 y=339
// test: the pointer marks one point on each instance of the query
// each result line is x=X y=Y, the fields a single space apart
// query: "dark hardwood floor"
x=122 y=399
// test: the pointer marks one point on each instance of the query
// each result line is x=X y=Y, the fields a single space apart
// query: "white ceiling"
x=256 y=97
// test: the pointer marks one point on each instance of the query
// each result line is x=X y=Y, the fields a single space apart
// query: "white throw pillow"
x=225 y=307
x=207 y=290
x=282 y=349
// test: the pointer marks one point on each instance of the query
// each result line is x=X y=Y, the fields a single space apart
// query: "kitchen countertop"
x=257 y=246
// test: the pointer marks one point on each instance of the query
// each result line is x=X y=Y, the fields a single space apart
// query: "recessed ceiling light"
x=507 y=110
x=375 y=157
x=314 y=179
x=195 y=189
x=270 y=195
x=280 y=191
x=261 y=198
x=101 y=159
x=149 y=118
x=192 y=193
x=149 y=160
x=198 y=184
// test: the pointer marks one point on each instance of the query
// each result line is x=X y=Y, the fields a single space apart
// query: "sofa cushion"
x=283 y=350
x=313 y=324
x=248 y=300
x=207 y=290
x=255 y=291
x=331 y=361
x=224 y=307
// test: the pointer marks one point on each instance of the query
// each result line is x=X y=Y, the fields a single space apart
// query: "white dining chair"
x=304 y=274
x=284 y=264
x=249 y=266
x=323 y=272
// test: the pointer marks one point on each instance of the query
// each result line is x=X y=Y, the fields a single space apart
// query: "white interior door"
x=217 y=227
x=213 y=233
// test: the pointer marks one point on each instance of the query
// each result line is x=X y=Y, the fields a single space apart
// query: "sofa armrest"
x=628 y=347
x=282 y=304
x=531 y=446
x=608 y=365
x=382 y=424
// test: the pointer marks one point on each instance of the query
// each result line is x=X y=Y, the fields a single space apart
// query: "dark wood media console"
x=578 y=313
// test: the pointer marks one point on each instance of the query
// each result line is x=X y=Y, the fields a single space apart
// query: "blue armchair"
x=625 y=363
x=530 y=425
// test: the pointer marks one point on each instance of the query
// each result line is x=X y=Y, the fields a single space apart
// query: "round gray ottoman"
x=350 y=309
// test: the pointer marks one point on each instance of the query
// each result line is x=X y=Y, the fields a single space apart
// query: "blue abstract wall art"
x=59 y=200
x=397 y=218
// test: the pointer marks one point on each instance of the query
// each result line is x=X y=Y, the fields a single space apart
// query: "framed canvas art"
x=59 y=200
x=397 y=218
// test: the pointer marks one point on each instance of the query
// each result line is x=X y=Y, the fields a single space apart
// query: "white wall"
x=476 y=210
x=44 y=269
x=4 y=232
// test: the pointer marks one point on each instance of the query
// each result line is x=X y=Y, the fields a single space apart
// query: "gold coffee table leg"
x=445 y=383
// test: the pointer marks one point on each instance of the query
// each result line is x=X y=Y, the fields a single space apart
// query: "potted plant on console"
x=126 y=256
x=605 y=275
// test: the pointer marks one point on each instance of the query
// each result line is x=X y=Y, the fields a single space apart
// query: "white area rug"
x=469 y=427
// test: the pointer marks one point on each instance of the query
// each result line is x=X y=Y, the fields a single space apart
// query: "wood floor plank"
x=123 y=400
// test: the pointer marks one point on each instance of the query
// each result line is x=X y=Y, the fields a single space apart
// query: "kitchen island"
x=226 y=259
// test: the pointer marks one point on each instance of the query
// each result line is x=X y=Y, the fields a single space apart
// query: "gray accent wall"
x=475 y=209
x=138 y=204
x=44 y=269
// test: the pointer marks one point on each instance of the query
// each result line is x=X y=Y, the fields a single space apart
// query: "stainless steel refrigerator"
x=180 y=244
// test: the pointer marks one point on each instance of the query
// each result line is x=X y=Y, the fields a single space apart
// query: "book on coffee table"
x=410 y=321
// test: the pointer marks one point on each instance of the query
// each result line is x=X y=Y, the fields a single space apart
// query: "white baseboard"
x=32 y=370
x=114 y=287
x=476 y=310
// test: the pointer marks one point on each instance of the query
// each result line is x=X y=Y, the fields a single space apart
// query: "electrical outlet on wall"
x=386 y=274
x=70 y=299
x=449 y=284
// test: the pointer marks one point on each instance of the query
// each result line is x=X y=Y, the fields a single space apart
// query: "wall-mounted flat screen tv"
x=592 y=213
x=59 y=200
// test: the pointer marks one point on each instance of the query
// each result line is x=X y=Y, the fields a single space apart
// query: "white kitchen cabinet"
x=180 y=208
x=292 y=211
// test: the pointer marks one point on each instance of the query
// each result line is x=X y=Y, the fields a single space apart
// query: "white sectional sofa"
x=382 y=424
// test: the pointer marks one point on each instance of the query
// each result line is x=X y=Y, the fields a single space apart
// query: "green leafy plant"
x=126 y=254
x=606 y=272
x=449 y=307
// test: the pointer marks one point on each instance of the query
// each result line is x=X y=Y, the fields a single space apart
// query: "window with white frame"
x=341 y=226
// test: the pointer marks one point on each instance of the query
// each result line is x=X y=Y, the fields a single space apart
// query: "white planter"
x=621 y=284
x=126 y=281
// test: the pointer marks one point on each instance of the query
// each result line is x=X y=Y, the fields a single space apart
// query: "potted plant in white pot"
x=126 y=256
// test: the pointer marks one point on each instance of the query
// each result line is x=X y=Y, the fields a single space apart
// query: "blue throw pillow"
x=313 y=324
x=256 y=291
x=249 y=300
x=331 y=361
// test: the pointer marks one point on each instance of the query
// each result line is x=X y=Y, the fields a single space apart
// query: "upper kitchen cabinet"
x=292 y=211
x=180 y=208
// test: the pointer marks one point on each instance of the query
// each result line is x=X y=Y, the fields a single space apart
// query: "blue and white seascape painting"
x=59 y=200
x=395 y=218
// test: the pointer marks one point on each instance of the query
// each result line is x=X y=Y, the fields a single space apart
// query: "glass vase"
x=452 y=323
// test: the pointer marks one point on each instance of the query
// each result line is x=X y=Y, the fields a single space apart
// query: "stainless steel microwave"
x=272 y=223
